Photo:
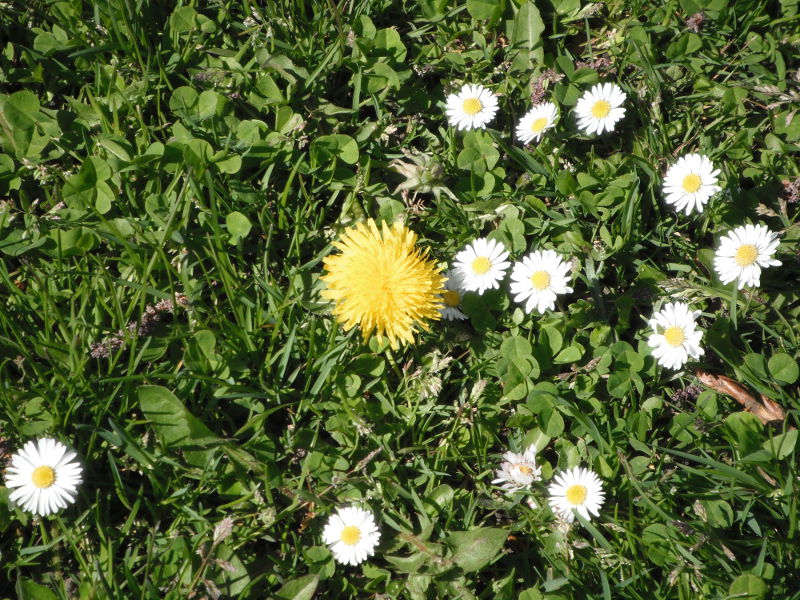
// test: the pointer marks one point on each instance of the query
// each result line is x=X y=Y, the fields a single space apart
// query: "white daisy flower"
x=46 y=476
x=578 y=490
x=600 y=108
x=518 y=471
x=351 y=534
x=743 y=252
x=538 y=278
x=675 y=339
x=538 y=119
x=451 y=297
x=471 y=108
x=481 y=265
x=690 y=182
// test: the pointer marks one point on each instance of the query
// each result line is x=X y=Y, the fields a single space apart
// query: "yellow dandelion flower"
x=382 y=282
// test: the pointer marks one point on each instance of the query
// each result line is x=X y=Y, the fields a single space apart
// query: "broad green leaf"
x=184 y=102
x=474 y=549
x=485 y=9
x=389 y=40
x=471 y=159
x=83 y=181
x=526 y=34
x=719 y=513
x=482 y=143
x=197 y=153
x=551 y=420
x=302 y=588
x=18 y=116
x=234 y=581
x=175 y=426
x=17 y=242
x=783 y=368
x=782 y=445
x=440 y=497
x=115 y=148
x=47 y=43
x=238 y=226
x=416 y=560
x=384 y=78
x=40 y=419
x=746 y=429
x=747 y=587
x=514 y=230
x=104 y=198
x=70 y=242
x=28 y=590
x=328 y=147
x=531 y=594
x=514 y=347
x=757 y=364
x=207 y=104
x=570 y=354
x=516 y=378
x=250 y=132
x=433 y=9
x=182 y=19
x=657 y=539
x=269 y=90
x=231 y=164
x=618 y=383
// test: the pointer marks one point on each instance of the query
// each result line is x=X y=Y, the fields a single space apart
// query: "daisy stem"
x=43 y=529
x=734 y=294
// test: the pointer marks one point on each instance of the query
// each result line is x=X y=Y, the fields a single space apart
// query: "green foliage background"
x=214 y=149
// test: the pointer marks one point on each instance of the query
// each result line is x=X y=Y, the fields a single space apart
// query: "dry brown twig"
x=765 y=409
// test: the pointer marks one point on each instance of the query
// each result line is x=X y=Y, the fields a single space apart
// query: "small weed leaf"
x=783 y=369
x=474 y=549
x=302 y=588
x=748 y=587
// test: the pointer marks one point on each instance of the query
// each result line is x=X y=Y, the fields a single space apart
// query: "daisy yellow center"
x=451 y=298
x=382 y=282
x=576 y=494
x=481 y=265
x=674 y=336
x=746 y=255
x=350 y=535
x=601 y=109
x=538 y=125
x=540 y=280
x=472 y=106
x=691 y=183
x=43 y=477
x=524 y=469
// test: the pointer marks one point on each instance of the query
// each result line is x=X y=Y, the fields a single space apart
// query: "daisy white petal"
x=452 y=296
x=576 y=490
x=690 y=182
x=600 y=108
x=351 y=534
x=518 y=471
x=675 y=339
x=538 y=278
x=471 y=108
x=743 y=252
x=481 y=265
x=44 y=476
x=536 y=121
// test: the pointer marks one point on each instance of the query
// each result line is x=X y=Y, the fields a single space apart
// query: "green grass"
x=216 y=150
